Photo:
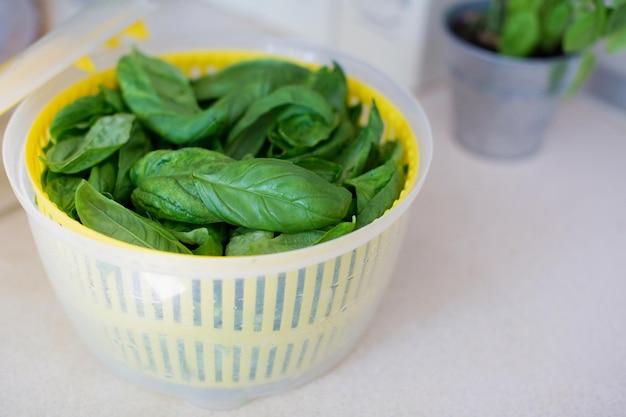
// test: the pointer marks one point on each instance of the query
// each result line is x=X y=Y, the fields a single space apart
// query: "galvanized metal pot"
x=502 y=106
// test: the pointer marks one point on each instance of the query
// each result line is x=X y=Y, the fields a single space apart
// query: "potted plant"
x=513 y=61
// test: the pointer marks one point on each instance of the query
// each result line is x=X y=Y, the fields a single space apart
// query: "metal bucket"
x=502 y=106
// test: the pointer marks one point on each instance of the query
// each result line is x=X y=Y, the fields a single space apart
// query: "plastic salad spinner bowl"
x=216 y=331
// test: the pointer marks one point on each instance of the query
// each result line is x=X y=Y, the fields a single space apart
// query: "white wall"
x=389 y=34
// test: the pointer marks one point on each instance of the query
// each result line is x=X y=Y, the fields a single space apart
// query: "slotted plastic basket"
x=216 y=331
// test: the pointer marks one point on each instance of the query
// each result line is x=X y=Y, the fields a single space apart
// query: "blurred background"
x=401 y=37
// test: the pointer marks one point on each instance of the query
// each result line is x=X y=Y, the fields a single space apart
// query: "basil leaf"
x=341 y=229
x=173 y=198
x=521 y=34
x=177 y=162
x=328 y=149
x=137 y=146
x=160 y=95
x=247 y=242
x=331 y=83
x=303 y=129
x=103 y=176
x=383 y=200
x=113 y=97
x=328 y=170
x=114 y=220
x=252 y=139
x=583 y=32
x=359 y=154
x=105 y=137
x=291 y=95
x=212 y=246
x=60 y=189
x=269 y=72
x=273 y=195
x=370 y=183
x=80 y=114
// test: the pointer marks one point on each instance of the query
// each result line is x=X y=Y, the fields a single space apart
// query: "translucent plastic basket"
x=216 y=331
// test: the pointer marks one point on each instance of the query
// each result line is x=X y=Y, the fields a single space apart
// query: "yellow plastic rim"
x=194 y=64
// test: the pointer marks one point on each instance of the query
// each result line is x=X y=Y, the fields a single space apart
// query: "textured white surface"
x=508 y=299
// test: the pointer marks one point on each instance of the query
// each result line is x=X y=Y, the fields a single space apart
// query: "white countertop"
x=509 y=298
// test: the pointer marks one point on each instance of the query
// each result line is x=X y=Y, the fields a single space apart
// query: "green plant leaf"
x=356 y=157
x=519 y=6
x=137 y=146
x=382 y=201
x=247 y=242
x=184 y=161
x=331 y=83
x=61 y=189
x=80 y=114
x=110 y=218
x=301 y=97
x=337 y=231
x=107 y=135
x=103 y=176
x=585 y=68
x=113 y=98
x=208 y=240
x=273 y=195
x=616 y=42
x=162 y=98
x=370 y=183
x=173 y=198
x=616 y=29
x=330 y=171
x=583 y=32
x=269 y=72
x=553 y=25
x=521 y=34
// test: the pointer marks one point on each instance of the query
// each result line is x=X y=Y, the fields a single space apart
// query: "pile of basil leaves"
x=263 y=156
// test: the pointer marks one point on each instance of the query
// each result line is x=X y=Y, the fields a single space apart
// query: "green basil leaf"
x=105 y=137
x=271 y=73
x=521 y=34
x=332 y=84
x=246 y=242
x=357 y=156
x=137 y=146
x=114 y=220
x=553 y=25
x=177 y=162
x=383 y=200
x=328 y=149
x=273 y=195
x=212 y=246
x=208 y=240
x=341 y=229
x=251 y=140
x=103 y=176
x=583 y=32
x=304 y=129
x=173 y=198
x=291 y=95
x=80 y=114
x=616 y=29
x=585 y=69
x=160 y=95
x=61 y=189
x=328 y=170
x=371 y=182
x=114 y=99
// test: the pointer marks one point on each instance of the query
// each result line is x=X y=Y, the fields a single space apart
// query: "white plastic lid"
x=63 y=46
